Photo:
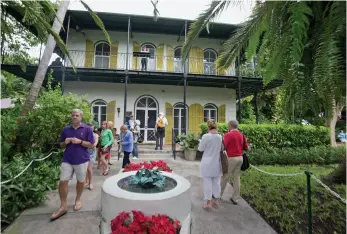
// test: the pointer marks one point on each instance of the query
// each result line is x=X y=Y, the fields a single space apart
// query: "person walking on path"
x=106 y=141
x=211 y=167
x=108 y=156
x=126 y=142
x=76 y=139
x=160 y=125
x=136 y=132
x=234 y=143
x=92 y=153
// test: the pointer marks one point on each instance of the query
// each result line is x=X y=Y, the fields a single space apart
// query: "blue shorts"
x=92 y=156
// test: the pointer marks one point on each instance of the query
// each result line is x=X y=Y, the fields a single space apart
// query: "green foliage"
x=265 y=136
x=148 y=178
x=282 y=200
x=190 y=140
x=52 y=112
x=321 y=155
x=29 y=189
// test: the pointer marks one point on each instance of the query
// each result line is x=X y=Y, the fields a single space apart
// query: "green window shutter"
x=136 y=60
x=160 y=57
x=114 y=55
x=169 y=58
x=168 y=129
x=111 y=111
x=221 y=114
x=195 y=117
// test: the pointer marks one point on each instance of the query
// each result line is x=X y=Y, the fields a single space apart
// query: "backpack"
x=161 y=123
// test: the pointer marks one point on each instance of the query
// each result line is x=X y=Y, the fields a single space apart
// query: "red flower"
x=137 y=222
x=161 y=165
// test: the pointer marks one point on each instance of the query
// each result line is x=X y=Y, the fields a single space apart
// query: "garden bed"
x=282 y=201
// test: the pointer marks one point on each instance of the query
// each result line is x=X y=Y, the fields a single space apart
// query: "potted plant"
x=191 y=143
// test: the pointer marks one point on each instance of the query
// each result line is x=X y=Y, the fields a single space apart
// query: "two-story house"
x=157 y=87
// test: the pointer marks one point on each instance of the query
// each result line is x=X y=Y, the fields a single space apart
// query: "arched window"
x=210 y=57
x=102 y=55
x=177 y=60
x=99 y=111
x=180 y=125
x=210 y=112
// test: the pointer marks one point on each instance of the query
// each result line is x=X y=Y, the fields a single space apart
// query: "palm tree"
x=303 y=43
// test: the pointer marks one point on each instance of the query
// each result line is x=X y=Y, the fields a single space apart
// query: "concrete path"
x=228 y=219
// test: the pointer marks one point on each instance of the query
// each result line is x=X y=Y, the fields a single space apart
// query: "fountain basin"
x=175 y=203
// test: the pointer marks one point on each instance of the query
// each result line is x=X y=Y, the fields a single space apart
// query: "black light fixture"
x=118 y=111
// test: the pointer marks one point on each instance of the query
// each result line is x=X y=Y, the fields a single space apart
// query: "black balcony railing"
x=86 y=59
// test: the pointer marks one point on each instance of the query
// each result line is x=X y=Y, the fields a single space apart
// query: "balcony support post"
x=64 y=57
x=185 y=74
x=126 y=75
x=256 y=108
x=239 y=91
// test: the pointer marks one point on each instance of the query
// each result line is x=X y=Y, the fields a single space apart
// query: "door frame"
x=146 y=109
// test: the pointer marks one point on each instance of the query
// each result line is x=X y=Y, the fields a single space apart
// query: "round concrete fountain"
x=173 y=200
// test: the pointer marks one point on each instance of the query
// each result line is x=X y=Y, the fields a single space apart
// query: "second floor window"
x=210 y=58
x=102 y=55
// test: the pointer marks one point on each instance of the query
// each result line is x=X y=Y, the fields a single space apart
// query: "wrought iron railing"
x=173 y=143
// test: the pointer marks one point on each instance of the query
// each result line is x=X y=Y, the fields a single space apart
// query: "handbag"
x=224 y=159
x=245 y=163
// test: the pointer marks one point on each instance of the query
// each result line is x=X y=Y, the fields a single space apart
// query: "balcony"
x=85 y=59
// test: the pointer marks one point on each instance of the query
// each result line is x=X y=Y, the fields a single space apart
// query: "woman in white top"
x=211 y=167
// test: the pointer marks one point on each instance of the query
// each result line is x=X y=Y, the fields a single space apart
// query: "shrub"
x=28 y=189
x=265 y=136
x=45 y=122
x=321 y=155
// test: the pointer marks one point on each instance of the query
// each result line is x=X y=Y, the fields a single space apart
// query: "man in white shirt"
x=160 y=125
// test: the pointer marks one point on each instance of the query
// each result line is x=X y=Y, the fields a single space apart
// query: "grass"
x=282 y=201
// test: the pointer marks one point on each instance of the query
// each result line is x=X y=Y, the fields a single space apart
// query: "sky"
x=184 y=9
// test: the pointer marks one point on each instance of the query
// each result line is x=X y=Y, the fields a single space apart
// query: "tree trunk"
x=337 y=109
x=44 y=62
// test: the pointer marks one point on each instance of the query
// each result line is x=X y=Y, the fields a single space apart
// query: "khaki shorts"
x=67 y=170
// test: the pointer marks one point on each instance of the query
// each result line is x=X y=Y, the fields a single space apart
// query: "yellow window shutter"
x=196 y=60
x=110 y=111
x=169 y=58
x=89 y=54
x=114 y=55
x=160 y=57
x=221 y=114
x=136 y=60
x=168 y=129
x=195 y=118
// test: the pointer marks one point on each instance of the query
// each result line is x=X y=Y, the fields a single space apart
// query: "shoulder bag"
x=224 y=159
x=245 y=163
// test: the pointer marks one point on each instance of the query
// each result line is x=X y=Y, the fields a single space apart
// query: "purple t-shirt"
x=76 y=154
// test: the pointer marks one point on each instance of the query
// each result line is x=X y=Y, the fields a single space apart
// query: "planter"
x=190 y=154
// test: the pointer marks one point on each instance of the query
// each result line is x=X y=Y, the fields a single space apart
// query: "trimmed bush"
x=321 y=155
x=264 y=136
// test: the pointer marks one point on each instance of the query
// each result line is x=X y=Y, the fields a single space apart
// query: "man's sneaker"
x=134 y=157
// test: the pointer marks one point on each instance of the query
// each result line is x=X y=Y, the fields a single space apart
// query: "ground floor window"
x=180 y=125
x=210 y=112
x=146 y=110
x=99 y=111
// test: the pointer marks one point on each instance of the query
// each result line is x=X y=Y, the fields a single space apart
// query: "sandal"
x=60 y=214
x=105 y=173
x=207 y=207
x=77 y=206
x=216 y=204
x=91 y=187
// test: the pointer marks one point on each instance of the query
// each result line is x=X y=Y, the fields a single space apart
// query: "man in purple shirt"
x=76 y=139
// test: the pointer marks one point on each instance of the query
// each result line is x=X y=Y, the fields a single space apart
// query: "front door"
x=147 y=112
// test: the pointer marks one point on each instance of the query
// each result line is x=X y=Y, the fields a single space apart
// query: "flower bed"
x=160 y=165
x=136 y=222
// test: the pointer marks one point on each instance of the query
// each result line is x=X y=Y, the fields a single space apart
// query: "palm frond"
x=233 y=46
x=98 y=21
x=214 y=10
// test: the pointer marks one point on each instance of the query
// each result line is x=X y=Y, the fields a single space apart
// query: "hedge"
x=264 y=136
x=320 y=155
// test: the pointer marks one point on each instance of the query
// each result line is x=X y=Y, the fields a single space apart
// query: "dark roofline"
x=143 y=24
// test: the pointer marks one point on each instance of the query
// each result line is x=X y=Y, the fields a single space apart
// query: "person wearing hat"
x=160 y=125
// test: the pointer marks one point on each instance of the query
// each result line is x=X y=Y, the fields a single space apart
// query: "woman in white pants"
x=210 y=167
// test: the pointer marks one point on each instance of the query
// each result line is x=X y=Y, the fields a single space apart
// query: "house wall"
x=163 y=94
x=77 y=43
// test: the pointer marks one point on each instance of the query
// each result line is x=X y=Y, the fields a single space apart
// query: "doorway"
x=146 y=110
x=180 y=125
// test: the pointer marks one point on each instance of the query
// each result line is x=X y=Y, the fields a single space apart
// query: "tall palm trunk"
x=44 y=62
x=337 y=109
